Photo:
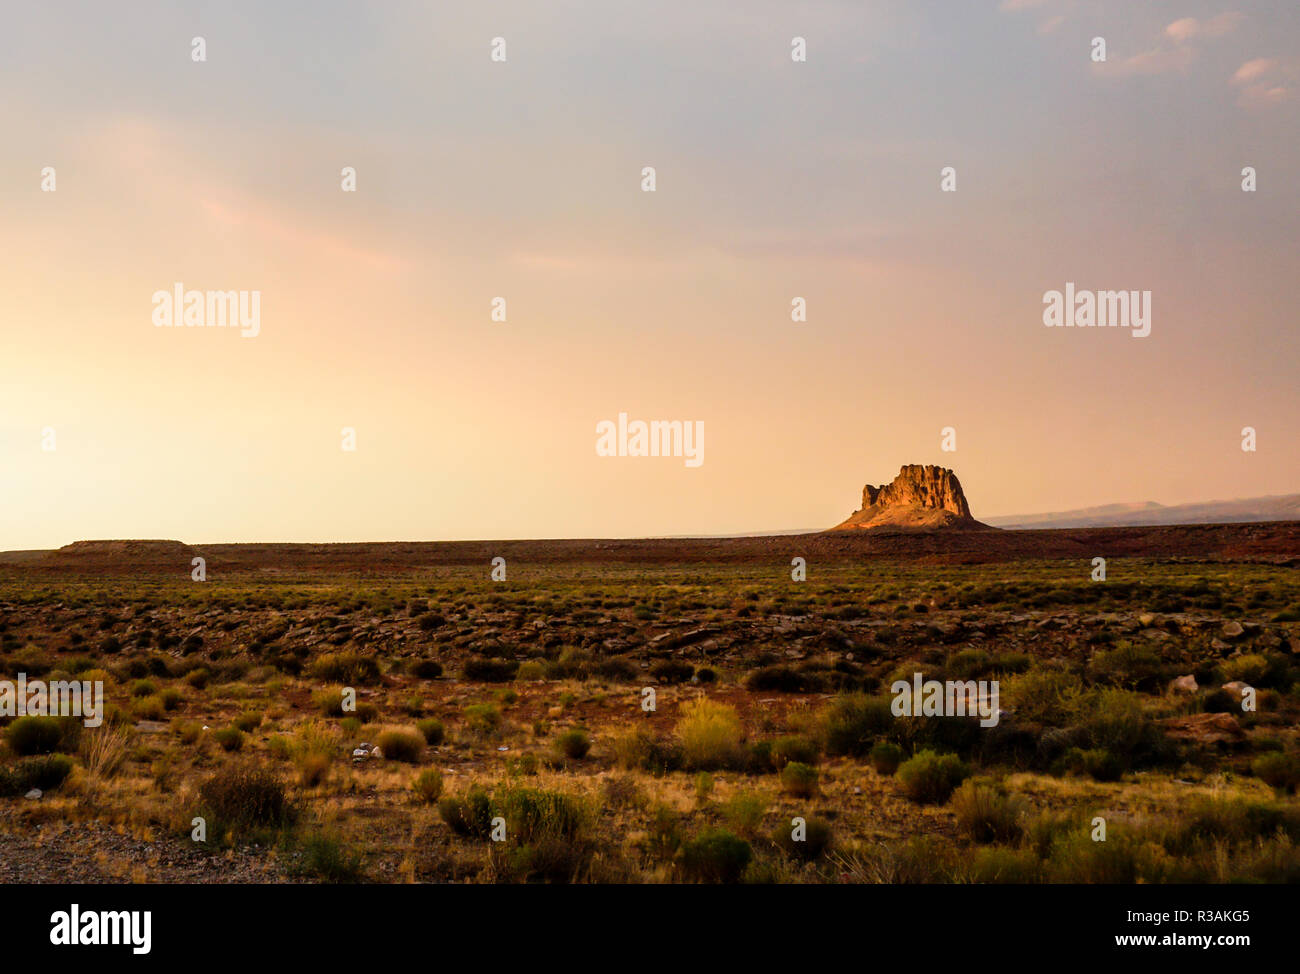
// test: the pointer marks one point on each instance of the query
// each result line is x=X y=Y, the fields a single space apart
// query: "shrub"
x=470 y=815
x=744 y=812
x=486 y=670
x=230 y=738
x=171 y=698
x=1249 y=668
x=1098 y=763
x=351 y=669
x=482 y=719
x=431 y=620
x=985 y=815
x=143 y=688
x=1278 y=770
x=198 y=679
x=245 y=795
x=640 y=750
x=799 y=780
x=672 y=671
x=573 y=744
x=1115 y=721
x=929 y=778
x=432 y=730
x=782 y=679
x=1128 y=665
x=715 y=856
x=325 y=857
x=852 y=723
x=43 y=735
x=533 y=814
x=815 y=840
x=428 y=785
x=401 y=745
x=46 y=772
x=794 y=748
x=710 y=734
x=886 y=756
x=248 y=721
x=427 y=669
x=531 y=671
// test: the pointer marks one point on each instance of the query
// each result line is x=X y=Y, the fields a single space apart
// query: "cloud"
x=1155 y=61
x=1186 y=28
x=1253 y=70
x=1264 y=82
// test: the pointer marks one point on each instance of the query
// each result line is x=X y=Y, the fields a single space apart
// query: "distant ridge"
x=1277 y=507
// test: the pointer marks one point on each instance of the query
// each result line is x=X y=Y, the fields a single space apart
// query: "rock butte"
x=921 y=498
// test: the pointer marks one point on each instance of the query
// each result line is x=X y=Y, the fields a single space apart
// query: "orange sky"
x=775 y=179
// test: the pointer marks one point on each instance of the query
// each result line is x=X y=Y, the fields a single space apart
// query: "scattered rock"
x=1184 y=684
x=34 y=793
x=1232 y=629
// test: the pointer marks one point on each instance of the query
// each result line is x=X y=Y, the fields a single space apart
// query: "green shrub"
x=672 y=671
x=401 y=745
x=1278 y=769
x=794 y=748
x=230 y=738
x=710 y=735
x=470 y=815
x=486 y=670
x=482 y=719
x=350 y=669
x=1098 y=763
x=248 y=721
x=143 y=688
x=428 y=785
x=851 y=724
x=533 y=814
x=573 y=744
x=427 y=669
x=324 y=857
x=715 y=856
x=432 y=730
x=783 y=679
x=799 y=780
x=744 y=812
x=929 y=778
x=43 y=735
x=886 y=756
x=816 y=839
x=245 y=795
x=985 y=815
x=46 y=772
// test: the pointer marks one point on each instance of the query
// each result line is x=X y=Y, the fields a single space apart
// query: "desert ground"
x=390 y=713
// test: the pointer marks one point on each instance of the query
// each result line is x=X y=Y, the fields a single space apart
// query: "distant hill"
x=1279 y=507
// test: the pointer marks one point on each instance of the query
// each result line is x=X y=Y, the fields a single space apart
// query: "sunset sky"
x=522 y=179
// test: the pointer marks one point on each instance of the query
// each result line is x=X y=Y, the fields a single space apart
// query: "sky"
x=523 y=179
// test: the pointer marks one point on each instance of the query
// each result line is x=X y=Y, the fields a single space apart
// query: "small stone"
x=1184 y=684
x=1232 y=629
x=34 y=793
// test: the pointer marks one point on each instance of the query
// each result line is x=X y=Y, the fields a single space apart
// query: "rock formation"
x=920 y=498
